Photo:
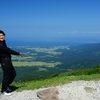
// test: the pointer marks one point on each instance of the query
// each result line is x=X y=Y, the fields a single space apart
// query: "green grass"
x=57 y=79
x=31 y=85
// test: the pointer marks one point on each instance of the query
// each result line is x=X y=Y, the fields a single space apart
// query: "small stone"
x=90 y=89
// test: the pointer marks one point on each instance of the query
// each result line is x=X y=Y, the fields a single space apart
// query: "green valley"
x=50 y=60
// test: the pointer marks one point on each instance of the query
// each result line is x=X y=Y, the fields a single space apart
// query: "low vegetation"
x=58 y=79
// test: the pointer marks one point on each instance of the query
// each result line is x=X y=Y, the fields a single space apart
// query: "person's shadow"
x=13 y=88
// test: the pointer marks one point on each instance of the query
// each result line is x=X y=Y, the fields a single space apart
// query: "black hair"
x=2 y=32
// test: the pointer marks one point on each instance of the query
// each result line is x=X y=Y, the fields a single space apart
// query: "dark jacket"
x=5 y=52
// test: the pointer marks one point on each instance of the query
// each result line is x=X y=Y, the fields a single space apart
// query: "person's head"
x=2 y=35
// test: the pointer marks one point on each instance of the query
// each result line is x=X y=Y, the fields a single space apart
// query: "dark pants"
x=8 y=74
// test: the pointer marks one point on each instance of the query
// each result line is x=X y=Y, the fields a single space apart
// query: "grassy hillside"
x=57 y=79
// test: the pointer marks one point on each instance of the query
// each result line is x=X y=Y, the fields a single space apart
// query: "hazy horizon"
x=53 y=42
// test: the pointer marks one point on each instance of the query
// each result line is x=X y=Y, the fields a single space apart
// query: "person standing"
x=9 y=72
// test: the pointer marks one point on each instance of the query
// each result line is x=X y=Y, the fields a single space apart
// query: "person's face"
x=1 y=37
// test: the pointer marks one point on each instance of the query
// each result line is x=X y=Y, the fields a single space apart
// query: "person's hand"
x=20 y=54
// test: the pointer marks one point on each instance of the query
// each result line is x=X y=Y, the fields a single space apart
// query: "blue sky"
x=50 y=20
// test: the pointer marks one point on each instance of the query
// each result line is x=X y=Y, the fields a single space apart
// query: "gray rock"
x=90 y=89
x=48 y=94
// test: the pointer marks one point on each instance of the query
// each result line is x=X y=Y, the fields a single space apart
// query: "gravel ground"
x=76 y=90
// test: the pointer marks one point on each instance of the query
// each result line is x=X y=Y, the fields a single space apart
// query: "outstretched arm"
x=15 y=53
